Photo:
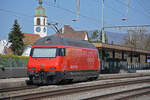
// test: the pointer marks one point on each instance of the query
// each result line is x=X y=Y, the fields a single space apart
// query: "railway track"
x=123 y=95
x=100 y=78
x=115 y=76
x=17 y=88
x=75 y=89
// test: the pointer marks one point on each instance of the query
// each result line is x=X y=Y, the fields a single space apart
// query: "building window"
x=44 y=21
x=38 y=21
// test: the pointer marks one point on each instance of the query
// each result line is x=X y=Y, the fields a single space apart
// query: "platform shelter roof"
x=121 y=48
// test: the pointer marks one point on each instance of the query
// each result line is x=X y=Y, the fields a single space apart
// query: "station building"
x=116 y=57
x=122 y=53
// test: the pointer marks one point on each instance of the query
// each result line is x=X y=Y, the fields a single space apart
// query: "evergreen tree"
x=94 y=36
x=16 y=38
x=100 y=37
x=106 y=39
x=105 y=36
x=112 y=42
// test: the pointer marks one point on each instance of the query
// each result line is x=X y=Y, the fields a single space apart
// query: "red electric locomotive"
x=53 y=60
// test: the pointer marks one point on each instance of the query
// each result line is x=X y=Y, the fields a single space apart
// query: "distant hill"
x=117 y=38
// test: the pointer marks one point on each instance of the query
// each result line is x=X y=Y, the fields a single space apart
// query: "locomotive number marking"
x=73 y=66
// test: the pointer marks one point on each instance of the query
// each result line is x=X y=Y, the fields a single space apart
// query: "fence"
x=13 y=66
x=114 y=67
x=13 y=61
x=111 y=66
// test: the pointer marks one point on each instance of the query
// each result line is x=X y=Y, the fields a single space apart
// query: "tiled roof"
x=30 y=38
x=72 y=34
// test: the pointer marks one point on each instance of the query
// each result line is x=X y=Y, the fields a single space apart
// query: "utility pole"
x=78 y=8
x=103 y=33
x=127 y=12
x=128 y=1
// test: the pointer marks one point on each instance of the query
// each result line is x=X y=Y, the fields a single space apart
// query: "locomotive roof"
x=53 y=40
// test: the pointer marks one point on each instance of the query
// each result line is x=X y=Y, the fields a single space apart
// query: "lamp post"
x=103 y=33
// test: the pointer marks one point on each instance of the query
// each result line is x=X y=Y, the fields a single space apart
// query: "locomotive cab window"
x=61 y=52
x=43 y=52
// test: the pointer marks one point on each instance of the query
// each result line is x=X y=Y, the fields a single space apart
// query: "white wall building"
x=4 y=44
x=26 y=51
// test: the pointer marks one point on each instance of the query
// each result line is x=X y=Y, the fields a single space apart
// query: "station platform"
x=13 y=82
x=20 y=82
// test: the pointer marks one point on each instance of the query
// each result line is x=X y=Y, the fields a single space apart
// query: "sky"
x=64 y=11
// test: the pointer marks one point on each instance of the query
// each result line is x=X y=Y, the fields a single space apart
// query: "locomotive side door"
x=62 y=54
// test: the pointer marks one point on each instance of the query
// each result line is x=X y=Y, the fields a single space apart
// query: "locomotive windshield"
x=43 y=52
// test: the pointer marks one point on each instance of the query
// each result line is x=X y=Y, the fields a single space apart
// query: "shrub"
x=13 y=61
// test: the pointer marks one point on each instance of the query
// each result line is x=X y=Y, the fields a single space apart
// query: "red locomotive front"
x=51 y=64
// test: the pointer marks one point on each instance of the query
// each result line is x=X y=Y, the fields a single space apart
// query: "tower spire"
x=40 y=2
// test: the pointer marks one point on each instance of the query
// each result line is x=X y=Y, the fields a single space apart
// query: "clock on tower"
x=38 y=29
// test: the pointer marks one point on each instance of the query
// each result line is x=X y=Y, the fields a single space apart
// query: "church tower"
x=40 y=21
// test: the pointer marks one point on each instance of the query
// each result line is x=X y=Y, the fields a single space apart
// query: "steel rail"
x=123 y=95
x=142 y=92
x=17 y=88
x=120 y=77
x=73 y=90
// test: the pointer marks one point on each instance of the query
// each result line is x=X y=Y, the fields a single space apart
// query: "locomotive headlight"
x=32 y=68
x=52 y=68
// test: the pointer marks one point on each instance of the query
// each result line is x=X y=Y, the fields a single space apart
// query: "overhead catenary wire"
x=115 y=10
x=73 y=12
x=96 y=22
x=134 y=27
x=140 y=3
x=17 y=14
x=133 y=8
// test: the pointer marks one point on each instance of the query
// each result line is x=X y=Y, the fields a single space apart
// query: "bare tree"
x=147 y=43
x=94 y=36
x=137 y=39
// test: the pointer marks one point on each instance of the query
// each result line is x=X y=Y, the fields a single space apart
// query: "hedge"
x=13 y=61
